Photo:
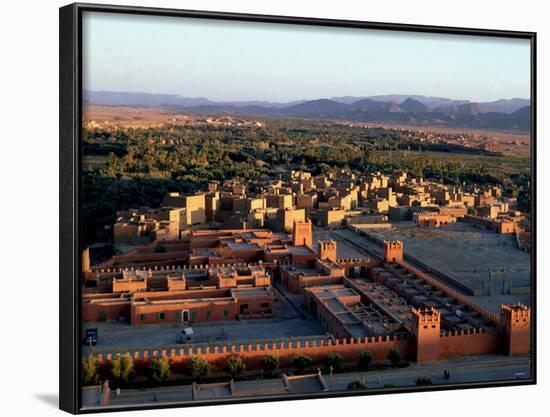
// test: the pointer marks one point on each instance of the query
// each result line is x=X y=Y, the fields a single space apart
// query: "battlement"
x=327 y=244
x=465 y=332
x=393 y=251
x=515 y=311
x=515 y=320
x=285 y=349
x=426 y=315
x=426 y=327
x=327 y=250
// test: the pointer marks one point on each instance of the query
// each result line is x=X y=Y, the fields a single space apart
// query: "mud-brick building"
x=432 y=219
x=179 y=294
x=201 y=305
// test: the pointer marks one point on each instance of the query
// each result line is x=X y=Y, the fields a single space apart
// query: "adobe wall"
x=295 y=283
x=285 y=351
x=122 y=285
x=473 y=342
x=455 y=343
x=428 y=219
x=314 y=281
x=486 y=314
x=201 y=310
x=152 y=257
x=110 y=311
x=357 y=267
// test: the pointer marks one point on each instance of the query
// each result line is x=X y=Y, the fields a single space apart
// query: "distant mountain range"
x=114 y=98
x=397 y=109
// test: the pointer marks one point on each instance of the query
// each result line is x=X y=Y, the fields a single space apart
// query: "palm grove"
x=136 y=167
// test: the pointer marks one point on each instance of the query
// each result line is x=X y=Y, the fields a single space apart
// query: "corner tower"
x=393 y=251
x=426 y=329
x=515 y=321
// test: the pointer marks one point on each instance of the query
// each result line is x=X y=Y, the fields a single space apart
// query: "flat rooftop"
x=251 y=292
x=359 y=319
x=468 y=254
x=242 y=246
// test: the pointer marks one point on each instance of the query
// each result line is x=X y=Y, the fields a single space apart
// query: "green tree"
x=302 y=362
x=394 y=356
x=235 y=366
x=122 y=369
x=357 y=384
x=334 y=360
x=198 y=368
x=365 y=358
x=159 y=370
x=90 y=371
x=270 y=364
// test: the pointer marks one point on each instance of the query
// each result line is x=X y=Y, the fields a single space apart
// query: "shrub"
x=365 y=358
x=234 y=366
x=158 y=370
x=122 y=369
x=302 y=362
x=90 y=371
x=198 y=368
x=423 y=381
x=334 y=360
x=357 y=384
x=101 y=316
x=394 y=356
x=160 y=249
x=270 y=364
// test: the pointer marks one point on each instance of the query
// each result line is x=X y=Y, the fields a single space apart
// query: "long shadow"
x=49 y=399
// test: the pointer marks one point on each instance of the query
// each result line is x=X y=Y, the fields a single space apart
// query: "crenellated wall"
x=252 y=354
x=469 y=342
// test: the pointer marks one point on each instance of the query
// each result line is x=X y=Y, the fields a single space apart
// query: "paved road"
x=120 y=336
x=482 y=368
x=462 y=370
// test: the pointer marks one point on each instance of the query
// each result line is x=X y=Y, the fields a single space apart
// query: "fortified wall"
x=426 y=343
x=425 y=340
x=252 y=354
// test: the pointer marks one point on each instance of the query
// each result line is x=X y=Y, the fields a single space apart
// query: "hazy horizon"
x=305 y=98
x=246 y=61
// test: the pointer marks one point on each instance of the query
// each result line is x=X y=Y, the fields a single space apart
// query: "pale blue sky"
x=223 y=60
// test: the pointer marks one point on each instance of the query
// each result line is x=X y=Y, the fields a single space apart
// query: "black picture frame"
x=70 y=42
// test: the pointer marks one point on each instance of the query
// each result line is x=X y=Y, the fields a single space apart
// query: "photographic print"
x=276 y=210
